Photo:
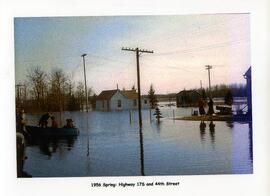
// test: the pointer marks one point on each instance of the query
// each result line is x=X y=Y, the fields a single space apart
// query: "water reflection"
x=88 y=142
x=202 y=130
x=229 y=124
x=70 y=143
x=250 y=137
x=212 y=132
x=158 y=127
x=120 y=149
x=141 y=151
x=48 y=146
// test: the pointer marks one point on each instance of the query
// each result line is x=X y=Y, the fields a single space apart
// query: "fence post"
x=150 y=112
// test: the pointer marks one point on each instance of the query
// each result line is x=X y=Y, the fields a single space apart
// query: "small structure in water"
x=187 y=98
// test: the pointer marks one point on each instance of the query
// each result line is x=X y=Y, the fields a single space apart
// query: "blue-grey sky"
x=182 y=46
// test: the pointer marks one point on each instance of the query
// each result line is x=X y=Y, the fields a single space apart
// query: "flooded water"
x=109 y=145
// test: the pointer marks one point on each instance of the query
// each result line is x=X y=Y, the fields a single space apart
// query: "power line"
x=170 y=66
x=108 y=59
x=207 y=47
x=197 y=30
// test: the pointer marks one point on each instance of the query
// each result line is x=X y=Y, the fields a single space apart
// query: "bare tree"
x=51 y=92
x=80 y=95
x=38 y=85
x=59 y=86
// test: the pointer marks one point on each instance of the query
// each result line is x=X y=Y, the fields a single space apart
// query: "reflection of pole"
x=150 y=113
x=130 y=118
x=86 y=93
x=208 y=67
x=88 y=146
x=141 y=152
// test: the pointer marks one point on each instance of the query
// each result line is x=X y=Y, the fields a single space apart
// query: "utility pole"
x=208 y=67
x=86 y=93
x=138 y=51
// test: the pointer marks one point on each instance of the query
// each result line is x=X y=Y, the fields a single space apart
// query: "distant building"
x=187 y=98
x=113 y=100
x=247 y=76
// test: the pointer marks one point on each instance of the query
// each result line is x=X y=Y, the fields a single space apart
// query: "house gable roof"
x=108 y=94
x=188 y=92
x=130 y=94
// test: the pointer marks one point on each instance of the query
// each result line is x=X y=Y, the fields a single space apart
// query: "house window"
x=134 y=102
x=145 y=101
x=119 y=103
x=103 y=104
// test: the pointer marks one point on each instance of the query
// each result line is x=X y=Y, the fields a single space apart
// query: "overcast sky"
x=182 y=46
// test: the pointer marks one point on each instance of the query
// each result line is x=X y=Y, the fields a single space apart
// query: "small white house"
x=112 y=100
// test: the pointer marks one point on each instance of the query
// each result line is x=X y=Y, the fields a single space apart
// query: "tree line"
x=221 y=90
x=53 y=92
x=218 y=91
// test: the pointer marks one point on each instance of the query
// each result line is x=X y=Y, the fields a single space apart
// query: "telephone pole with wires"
x=208 y=67
x=138 y=51
x=86 y=94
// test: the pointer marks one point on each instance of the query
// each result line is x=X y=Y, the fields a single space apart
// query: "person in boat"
x=69 y=123
x=210 y=107
x=43 y=121
x=54 y=122
x=201 y=106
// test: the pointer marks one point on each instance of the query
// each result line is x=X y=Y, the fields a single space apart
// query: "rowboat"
x=51 y=132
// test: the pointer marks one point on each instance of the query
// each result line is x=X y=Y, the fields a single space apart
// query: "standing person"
x=210 y=107
x=201 y=106
x=43 y=121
